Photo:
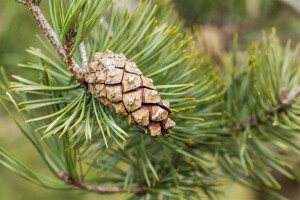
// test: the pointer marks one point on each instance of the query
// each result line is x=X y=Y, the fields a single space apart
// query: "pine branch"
x=98 y=189
x=149 y=43
x=285 y=104
x=48 y=31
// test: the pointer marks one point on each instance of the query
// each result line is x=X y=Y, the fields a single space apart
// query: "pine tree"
x=243 y=124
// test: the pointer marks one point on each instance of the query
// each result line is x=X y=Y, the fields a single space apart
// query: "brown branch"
x=285 y=103
x=98 y=189
x=48 y=31
x=83 y=55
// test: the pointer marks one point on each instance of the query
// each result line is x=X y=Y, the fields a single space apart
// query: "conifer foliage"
x=244 y=125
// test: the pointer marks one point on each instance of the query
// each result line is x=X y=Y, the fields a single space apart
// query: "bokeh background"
x=215 y=22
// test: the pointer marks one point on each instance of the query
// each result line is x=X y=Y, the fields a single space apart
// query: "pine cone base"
x=119 y=84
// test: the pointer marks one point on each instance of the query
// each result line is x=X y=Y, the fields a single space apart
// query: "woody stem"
x=76 y=71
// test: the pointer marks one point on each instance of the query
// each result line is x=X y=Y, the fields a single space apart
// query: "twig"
x=98 y=189
x=48 y=31
x=285 y=103
x=83 y=55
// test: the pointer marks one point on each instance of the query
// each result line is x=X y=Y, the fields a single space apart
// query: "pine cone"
x=119 y=84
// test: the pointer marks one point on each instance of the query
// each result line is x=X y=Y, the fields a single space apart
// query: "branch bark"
x=294 y=4
x=287 y=102
x=76 y=71
x=98 y=189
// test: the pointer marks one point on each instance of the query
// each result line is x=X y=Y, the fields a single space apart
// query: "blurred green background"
x=218 y=20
